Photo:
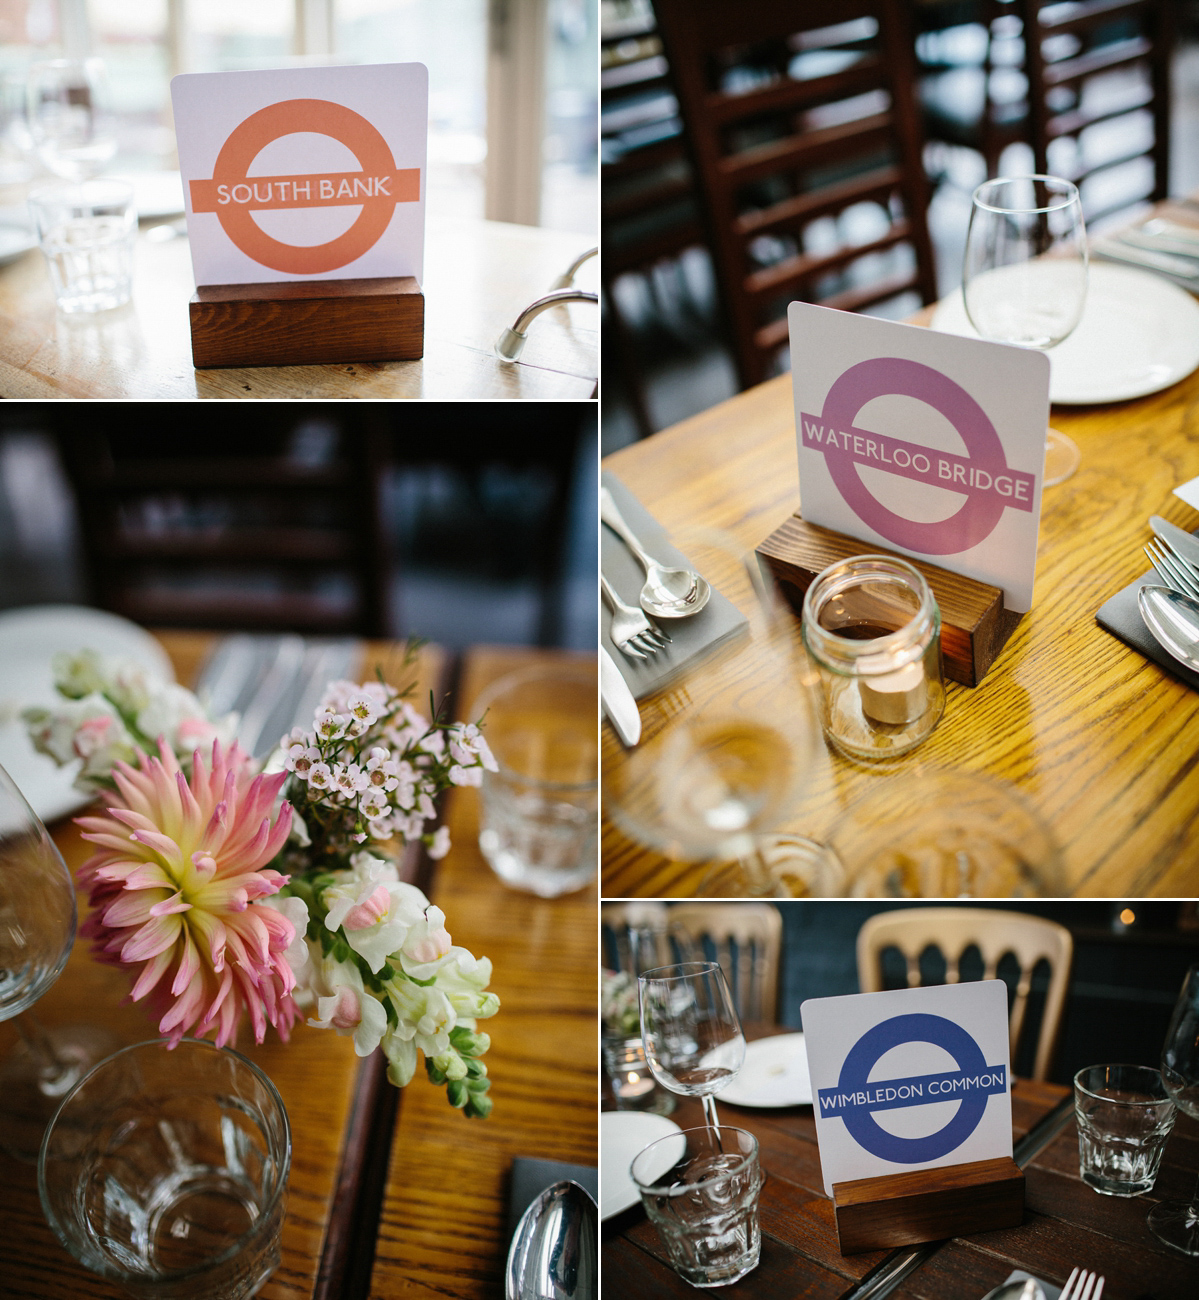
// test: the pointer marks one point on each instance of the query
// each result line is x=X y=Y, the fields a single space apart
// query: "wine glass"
x=1175 y=1222
x=68 y=116
x=692 y=1035
x=727 y=759
x=37 y=929
x=1025 y=275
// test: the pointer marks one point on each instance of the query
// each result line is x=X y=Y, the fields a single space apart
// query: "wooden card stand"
x=928 y=1205
x=307 y=322
x=974 y=623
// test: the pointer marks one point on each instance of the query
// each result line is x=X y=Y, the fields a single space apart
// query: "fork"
x=632 y=632
x=1172 y=568
x=1082 y=1287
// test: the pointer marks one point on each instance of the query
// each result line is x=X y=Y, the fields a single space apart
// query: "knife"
x=618 y=701
x=1186 y=544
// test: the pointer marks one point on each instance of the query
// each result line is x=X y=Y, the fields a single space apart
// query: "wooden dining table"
x=1101 y=741
x=479 y=275
x=1065 y=1225
x=398 y=1176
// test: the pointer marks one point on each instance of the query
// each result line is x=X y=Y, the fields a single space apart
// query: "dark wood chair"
x=794 y=115
x=648 y=205
x=1099 y=62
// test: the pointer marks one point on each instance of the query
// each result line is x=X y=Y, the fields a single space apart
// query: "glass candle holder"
x=873 y=631
x=633 y=1086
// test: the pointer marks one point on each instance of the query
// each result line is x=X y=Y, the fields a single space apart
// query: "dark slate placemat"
x=690 y=638
x=531 y=1177
x=1121 y=616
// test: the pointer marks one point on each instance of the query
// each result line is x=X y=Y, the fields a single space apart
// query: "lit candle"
x=898 y=697
x=632 y=1085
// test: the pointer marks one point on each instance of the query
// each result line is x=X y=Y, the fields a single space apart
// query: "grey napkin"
x=1121 y=616
x=690 y=638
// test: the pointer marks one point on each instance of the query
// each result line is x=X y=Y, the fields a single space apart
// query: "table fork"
x=632 y=632
x=1082 y=1283
x=1172 y=568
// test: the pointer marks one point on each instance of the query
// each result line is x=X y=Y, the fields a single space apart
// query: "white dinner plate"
x=15 y=241
x=623 y=1133
x=775 y=1073
x=1139 y=333
x=29 y=640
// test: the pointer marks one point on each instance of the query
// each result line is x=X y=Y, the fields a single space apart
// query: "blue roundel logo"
x=856 y=1101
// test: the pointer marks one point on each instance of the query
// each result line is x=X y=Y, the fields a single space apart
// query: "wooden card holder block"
x=928 y=1205
x=307 y=322
x=974 y=624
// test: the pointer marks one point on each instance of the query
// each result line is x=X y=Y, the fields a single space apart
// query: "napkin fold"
x=690 y=638
x=1019 y=1275
x=1121 y=616
x=531 y=1177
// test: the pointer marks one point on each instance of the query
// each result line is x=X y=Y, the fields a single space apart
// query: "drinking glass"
x=1124 y=1116
x=1175 y=1222
x=700 y=1188
x=1025 y=275
x=540 y=810
x=691 y=1031
x=37 y=929
x=68 y=116
x=165 y=1172
x=724 y=763
x=87 y=233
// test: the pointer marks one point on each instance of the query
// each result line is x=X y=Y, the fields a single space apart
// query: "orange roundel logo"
x=233 y=194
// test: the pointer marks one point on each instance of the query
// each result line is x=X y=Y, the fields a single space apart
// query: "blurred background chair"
x=746 y=939
x=973 y=943
x=634 y=936
x=803 y=132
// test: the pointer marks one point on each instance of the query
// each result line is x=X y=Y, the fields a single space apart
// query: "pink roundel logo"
x=983 y=476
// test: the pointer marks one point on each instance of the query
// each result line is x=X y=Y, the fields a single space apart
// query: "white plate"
x=623 y=1133
x=775 y=1073
x=15 y=241
x=29 y=640
x=1139 y=334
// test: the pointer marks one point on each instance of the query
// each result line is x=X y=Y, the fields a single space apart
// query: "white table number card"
x=910 y=1079
x=922 y=443
x=304 y=173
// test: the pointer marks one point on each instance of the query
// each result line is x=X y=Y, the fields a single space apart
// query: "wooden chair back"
x=1091 y=63
x=952 y=930
x=634 y=936
x=747 y=939
x=794 y=114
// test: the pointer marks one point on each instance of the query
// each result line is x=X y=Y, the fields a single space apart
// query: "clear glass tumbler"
x=540 y=810
x=700 y=1188
x=87 y=233
x=873 y=630
x=165 y=1171
x=1124 y=1116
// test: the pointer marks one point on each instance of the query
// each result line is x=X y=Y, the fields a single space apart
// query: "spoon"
x=555 y=1247
x=668 y=593
x=1174 y=620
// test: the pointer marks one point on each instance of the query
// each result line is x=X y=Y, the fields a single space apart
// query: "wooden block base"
x=307 y=322
x=928 y=1205
x=974 y=624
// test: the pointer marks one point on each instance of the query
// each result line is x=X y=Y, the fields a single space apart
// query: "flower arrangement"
x=620 y=1010
x=230 y=891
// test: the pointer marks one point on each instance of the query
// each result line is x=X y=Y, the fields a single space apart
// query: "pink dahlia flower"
x=173 y=886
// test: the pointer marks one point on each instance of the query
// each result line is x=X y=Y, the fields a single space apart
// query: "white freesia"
x=296 y=911
x=344 y=1004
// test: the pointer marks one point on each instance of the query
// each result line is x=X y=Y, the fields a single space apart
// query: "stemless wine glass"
x=1025 y=275
x=692 y=1034
x=1175 y=1222
x=37 y=929
x=69 y=118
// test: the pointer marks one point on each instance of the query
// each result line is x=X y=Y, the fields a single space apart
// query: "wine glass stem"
x=52 y=1068
x=709 y=1102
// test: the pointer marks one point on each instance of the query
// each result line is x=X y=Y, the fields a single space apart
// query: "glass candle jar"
x=633 y=1086
x=873 y=631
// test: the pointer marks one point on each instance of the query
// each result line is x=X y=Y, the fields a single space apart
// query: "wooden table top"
x=544 y=1053
x=1065 y=1223
x=442 y=1231
x=478 y=276
x=1100 y=740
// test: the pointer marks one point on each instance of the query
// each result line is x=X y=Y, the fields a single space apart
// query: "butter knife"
x=618 y=701
x=1186 y=544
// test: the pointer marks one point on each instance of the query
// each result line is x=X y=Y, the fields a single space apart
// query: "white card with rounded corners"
x=909 y=1079
x=304 y=173
x=923 y=443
